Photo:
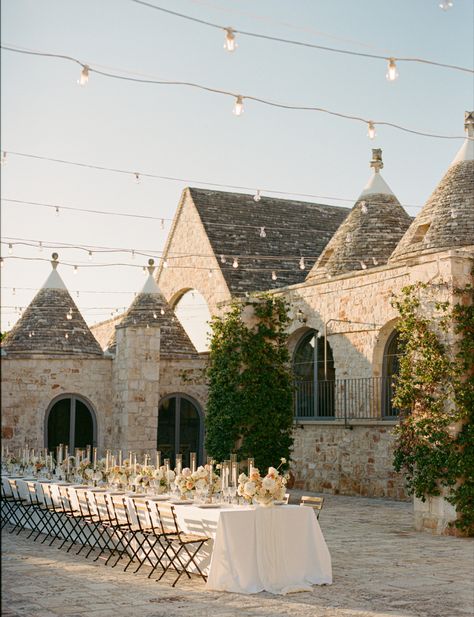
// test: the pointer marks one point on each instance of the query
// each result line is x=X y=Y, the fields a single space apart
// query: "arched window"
x=70 y=420
x=391 y=368
x=180 y=428
x=313 y=367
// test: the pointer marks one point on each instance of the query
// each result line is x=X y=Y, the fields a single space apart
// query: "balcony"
x=365 y=398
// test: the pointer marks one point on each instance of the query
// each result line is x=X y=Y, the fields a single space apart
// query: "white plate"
x=279 y=503
x=182 y=502
x=209 y=505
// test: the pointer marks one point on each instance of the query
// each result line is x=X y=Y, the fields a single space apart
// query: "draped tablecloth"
x=279 y=549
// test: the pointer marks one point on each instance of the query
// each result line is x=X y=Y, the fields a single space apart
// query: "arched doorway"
x=70 y=420
x=314 y=378
x=180 y=428
x=390 y=368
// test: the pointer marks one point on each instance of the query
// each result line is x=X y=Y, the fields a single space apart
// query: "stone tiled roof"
x=369 y=234
x=304 y=229
x=44 y=327
x=150 y=309
x=447 y=218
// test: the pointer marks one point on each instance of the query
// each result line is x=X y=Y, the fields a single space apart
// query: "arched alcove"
x=70 y=420
x=193 y=313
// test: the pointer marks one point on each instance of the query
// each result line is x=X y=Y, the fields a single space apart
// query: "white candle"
x=193 y=461
x=158 y=459
x=134 y=463
x=67 y=465
x=120 y=458
x=107 y=461
x=210 y=474
x=94 y=454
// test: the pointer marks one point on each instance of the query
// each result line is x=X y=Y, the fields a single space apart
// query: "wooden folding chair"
x=179 y=545
x=313 y=502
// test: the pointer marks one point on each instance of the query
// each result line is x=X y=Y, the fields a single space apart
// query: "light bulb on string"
x=371 y=132
x=75 y=269
x=155 y=316
x=274 y=275
x=392 y=72
x=84 y=77
x=223 y=259
x=57 y=211
x=165 y=263
x=162 y=311
x=364 y=208
x=235 y=263
x=40 y=247
x=90 y=255
x=66 y=335
x=10 y=249
x=263 y=233
x=137 y=177
x=14 y=292
x=210 y=273
x=1 y=262
x=144 y=270
x=239 y=106
x=162 y=223
x=77 y=294
x=375 y=261
x=230 y=44
x=446 y=4
x=363 y=265
x=3 y=160
x=257 y=196
x=302 y=264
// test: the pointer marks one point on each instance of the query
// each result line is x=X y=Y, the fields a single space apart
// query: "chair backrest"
x=167 y=517
x=141 y=512
x=101 y=507
x=13 y=488
x=118 y=508
x=65 y=499
x=48 y=495
x=313 y=502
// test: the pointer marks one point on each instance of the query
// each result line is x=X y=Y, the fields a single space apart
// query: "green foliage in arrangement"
x=435 y=387
x=249 y=410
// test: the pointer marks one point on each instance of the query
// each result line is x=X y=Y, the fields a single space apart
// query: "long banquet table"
x=279 y=549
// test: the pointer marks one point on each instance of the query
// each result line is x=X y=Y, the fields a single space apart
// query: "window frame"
x=178 y=396
x=73 y=398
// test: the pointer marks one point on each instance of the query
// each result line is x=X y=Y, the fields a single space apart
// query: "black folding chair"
x=183 y=546
x=23 y=509
x=145 y=538
x=8 y=508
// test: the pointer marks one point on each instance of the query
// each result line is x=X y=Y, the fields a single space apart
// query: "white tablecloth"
x=279 y=549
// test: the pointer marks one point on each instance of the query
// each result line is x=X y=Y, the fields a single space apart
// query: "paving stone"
x=381 y=568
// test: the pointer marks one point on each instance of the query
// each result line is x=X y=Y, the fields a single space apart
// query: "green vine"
x=249 y=410
x=435 y=388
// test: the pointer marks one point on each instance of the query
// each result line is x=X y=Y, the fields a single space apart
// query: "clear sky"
x=191 y=134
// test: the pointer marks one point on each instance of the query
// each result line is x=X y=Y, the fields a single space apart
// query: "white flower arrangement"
x=266 y=490
x=199 y=480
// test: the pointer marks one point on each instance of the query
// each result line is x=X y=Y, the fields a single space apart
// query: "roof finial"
x=469 y=123
x=151 y=266
x=54 y=261
x=376 y=161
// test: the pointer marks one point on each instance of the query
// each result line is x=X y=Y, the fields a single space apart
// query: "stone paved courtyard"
x=381 y=568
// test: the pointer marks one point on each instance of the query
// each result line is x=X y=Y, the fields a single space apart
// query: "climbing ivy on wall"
x=435 y=387
x=249 y=409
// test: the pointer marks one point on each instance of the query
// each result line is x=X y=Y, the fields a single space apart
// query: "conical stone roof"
x=370 y=232
x=447 y=218
x=52 y=324
x=150 y=309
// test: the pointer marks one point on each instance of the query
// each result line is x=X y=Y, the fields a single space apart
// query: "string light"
x=57 y=211
x=75 y=269
x=3 y=160
x=446 y=4
x=84 y=77
x=274 y=275
x=257 y=196
x=137 y=178
x=348 y=238
x=162 y=223
x=371 y=130
x=155 y=316
x=210 y=273
x=14 y=292
x=239 y=106
x=90 y=255
x=375 y=261
x=235 y=263
x=66 y=335
x=302 y=264
x=364 y=208
x=454 y=214
x=10 y=249
x=133 y=254
x=1 y=262
x=230 y=44
x=40 y=246
x=392 y=72
x=263 y=233
x=69 y=314
x=144 y=270
x=363 y=265
x=223 y=259
x=165 y=263
x=162 y=311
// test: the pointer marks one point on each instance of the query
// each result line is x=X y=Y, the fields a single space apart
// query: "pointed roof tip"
x=376 y=184
x=54 y=281
x=150 y=286
x=466 y=152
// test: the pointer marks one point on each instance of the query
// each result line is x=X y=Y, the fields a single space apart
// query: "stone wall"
x=356 y=460
x=31 y=383
x=184 y=376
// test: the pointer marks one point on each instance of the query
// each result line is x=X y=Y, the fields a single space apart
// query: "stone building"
x=144 y=385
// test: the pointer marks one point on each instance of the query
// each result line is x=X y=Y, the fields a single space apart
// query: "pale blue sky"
x=192 y=134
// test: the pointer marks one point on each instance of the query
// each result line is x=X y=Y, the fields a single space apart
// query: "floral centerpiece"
x=265 y=491
x=118 y=475
x=200 y=480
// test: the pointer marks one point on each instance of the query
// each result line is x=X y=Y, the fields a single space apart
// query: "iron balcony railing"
x=365 y=398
